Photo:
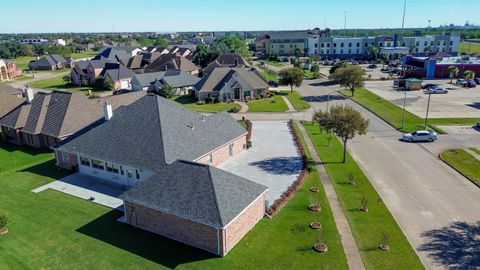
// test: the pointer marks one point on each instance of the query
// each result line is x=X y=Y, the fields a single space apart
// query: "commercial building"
x=437 y=66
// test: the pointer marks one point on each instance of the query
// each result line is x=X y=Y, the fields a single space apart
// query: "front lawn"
x=57 y=83
x=367 y=228
x=22 y=61
x=191 y=103
x=54 y=230
x=464 y=162
x=298 y=102
x=266 y=105
x=388 y=111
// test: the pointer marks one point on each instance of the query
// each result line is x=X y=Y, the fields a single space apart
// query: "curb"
x=460 y=172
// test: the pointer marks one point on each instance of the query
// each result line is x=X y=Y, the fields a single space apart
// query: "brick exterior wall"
x=239 y=227
x=221 y=154
x=189 y=232
x=72 y=160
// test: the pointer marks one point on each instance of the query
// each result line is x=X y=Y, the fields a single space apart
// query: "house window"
x=358 y=44
x=121 y=170
x=380 y=44
x=366 y=44
x=335 y=45
x=323 y=45
x=97 y=164
x=85 y=161
x=349 y=44
x=137 y=174
x=316 y=45
x=328 y=45
x=341 y=44
x=112 y=168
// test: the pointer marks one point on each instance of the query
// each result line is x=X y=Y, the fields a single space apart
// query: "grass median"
x=367 y=228
x=463 y=162
x=297 y=101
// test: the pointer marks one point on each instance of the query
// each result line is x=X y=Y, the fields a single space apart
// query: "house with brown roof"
x=47 y=118
x=175 y=62
x=8 y=70
x=10 y=98
x=226 y=60
x=49 y=62
x=167 y=161
x=231 y=84
x=119 y=74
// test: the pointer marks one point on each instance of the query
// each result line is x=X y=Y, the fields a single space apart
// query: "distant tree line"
x=14 y=49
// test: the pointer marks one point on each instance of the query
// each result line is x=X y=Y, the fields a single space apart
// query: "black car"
x=477 y=80
x=372 y=66
x=273 y=83
x=121 y=91
x=471 y=84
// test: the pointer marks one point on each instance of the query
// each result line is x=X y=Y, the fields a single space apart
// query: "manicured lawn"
x=54 y=230
x=191 y=103
x=368 y=227
x=266 y=105
x=464 y=162
x=269 y=75
x=56 y=83
x=297 y=100
x=275 y=63
x=388 y=111
x=469 y=47
x=453 y=121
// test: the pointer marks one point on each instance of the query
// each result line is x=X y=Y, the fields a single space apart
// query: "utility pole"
x=345 y=24
x=403 y=19
x=428 y=108
x=403 y=114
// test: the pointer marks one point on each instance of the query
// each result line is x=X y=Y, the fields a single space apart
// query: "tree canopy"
x=205 y=54
x=344 y=121
x=291 y=76
x=349 y=76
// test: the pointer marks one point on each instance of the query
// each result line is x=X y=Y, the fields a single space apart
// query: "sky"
x=48 y=16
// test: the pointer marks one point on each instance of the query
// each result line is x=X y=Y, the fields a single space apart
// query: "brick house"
x=8 y=70
x=45 y=119
x=167 y=161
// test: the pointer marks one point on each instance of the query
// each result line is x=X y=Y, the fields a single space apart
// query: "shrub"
x=3 y=221
x=200 y=102
x=249 y=144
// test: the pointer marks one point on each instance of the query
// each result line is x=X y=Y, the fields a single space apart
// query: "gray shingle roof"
x=117 y=72
x=216 y=80
x=226 y=60
x=161 y=138
x=197 y=192
x=174 y=78
x=8 y=99
x=48 y=61
x=171 y=61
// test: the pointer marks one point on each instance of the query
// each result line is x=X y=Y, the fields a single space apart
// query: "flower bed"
x=292 y=189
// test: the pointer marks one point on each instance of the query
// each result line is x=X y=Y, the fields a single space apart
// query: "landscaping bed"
x=464 y=163
x=367 y=227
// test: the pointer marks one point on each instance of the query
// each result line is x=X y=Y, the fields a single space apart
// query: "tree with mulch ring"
x=314 y=189
x=3 y=223
x=320 y=245
x=316 y=222
x=314 y=204
x=364 y=203
x=384 y=244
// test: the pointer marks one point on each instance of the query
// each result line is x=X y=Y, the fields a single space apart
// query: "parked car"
x=430 y=85
x=436 y=90
x=372 y=66
x=477 y=80
x=461 y=82
x=420 y=136
x=273 y=83
x=121 y=91
x=471 y=84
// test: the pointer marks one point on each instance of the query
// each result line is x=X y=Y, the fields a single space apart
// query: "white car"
x=420 y=136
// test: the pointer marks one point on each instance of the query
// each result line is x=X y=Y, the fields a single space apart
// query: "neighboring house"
x=168 y=159
x=226 y=60
x=49 y=62
x=10 y=98
x=47 y=118
x=232 y=84
x=121 y=75
x=88 y=69
x=117 y=54
x=181 y=51
x=8 y=70
x=79 y=71
x=175 y=62
x=183 y=82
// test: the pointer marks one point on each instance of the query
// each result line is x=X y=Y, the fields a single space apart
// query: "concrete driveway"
x=88 y=188
x=437 y=208
x=273 y=160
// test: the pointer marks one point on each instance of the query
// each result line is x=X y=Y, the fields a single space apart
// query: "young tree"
x=349 y=76
x=344 y=121
x=374 y=50
x=469 y=74
x=291 y=76
x=166 y=91
x=109 y=84
x=67 y=79
x=453 y=71
x=315 y=69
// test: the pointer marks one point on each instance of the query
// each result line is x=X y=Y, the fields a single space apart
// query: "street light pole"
x=403 y=113
x=428 y=108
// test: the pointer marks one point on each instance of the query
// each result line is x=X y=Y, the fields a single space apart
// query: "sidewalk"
x=351 y=250
x=289 y=104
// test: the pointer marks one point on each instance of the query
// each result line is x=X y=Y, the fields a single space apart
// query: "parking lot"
x=457 y=103
x=273 y=160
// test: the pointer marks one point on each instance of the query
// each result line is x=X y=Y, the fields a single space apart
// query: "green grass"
x=54 y=230
x=191 y=103
x=464 y=162
x=22 y=61
x=367 y=228
x=469 y=48
x=269 y=75
x=275 y=63
x=388 y=111
x=266 y=105
x=298 y=102
x=453 y=121
x=57 y=83
x=475 y=150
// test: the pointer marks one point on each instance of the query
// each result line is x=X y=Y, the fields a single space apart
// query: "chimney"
x=107 y=111
x=29 y=94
